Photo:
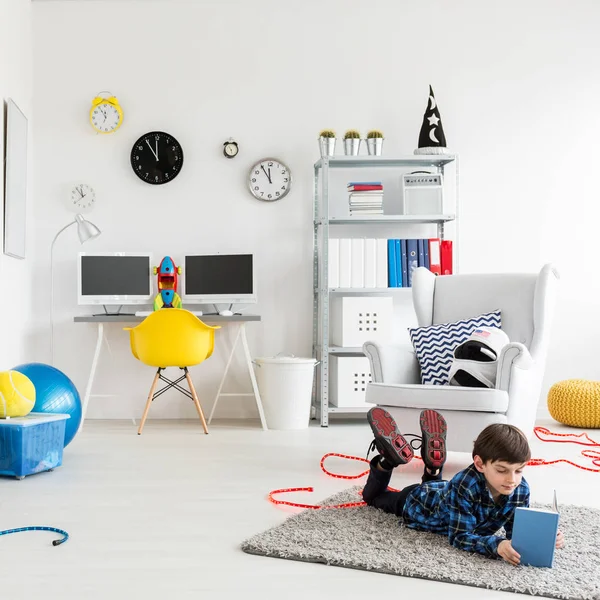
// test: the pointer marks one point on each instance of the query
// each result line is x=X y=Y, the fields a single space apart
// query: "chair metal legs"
x=173 y=384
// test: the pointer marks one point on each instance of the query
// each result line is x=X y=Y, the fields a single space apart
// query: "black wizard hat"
x=432 y=139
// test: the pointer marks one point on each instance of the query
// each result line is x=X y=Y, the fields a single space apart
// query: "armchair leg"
x=149 y=401
x=196 y=401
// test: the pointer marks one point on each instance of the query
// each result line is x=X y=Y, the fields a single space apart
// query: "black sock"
x=384 y=464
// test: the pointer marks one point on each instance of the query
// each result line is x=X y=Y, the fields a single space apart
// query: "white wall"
x=17 y=324
x=516 y=84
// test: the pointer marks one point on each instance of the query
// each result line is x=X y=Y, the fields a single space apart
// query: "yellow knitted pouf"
x=575 y=402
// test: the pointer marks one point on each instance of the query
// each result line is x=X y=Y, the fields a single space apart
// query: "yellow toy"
x=172 y=338
x=17 y=394
x=106 y=115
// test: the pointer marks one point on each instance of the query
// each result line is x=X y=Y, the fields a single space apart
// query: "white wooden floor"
x=162 y=515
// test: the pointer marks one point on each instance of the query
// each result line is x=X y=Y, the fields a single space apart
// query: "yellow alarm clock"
x=106 y=114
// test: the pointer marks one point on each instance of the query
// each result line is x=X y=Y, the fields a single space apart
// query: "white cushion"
x=438 y=397
x=434 y=345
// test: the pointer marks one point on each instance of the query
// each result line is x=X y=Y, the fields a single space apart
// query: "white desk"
x=238 y=320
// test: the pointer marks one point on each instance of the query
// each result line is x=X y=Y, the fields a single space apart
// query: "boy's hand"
x=560 y=539
x=508 y=553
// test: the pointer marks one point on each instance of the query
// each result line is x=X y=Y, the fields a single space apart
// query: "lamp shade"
x=86 y=230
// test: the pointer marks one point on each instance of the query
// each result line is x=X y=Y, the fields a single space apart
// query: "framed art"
x=15 y=181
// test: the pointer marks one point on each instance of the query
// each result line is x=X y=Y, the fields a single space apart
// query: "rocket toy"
x=167 y=280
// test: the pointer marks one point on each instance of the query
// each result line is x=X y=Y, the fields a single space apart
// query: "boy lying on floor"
x=474 y=504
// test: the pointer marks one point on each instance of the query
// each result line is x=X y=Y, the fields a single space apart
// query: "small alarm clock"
x=106 y=115
x=230 y=148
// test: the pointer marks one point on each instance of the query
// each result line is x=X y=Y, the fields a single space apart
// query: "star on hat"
x=431 y=138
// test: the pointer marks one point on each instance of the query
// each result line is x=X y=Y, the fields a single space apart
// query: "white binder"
x=357 y=262
x=382 y=263
x=334 y=263
x=370 y=263
x=345 y=269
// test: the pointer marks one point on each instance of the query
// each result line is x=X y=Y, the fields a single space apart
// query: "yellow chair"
x=172 y=337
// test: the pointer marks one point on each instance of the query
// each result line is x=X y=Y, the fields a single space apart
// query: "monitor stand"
x=106 y=313
x=225 y=313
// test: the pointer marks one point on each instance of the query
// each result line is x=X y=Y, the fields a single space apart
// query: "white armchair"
x=526 y=302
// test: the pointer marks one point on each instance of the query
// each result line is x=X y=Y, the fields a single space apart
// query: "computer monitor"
x=114 y=278
x=214 y=278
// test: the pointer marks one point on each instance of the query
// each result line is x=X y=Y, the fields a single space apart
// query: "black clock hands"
x=267 y=174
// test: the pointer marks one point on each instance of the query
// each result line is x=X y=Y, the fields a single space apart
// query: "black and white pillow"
x=434 y=345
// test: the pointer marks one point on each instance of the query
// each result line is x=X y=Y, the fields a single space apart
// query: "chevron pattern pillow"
x=434 y=345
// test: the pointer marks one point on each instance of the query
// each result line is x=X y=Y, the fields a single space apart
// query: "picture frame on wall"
x=15 y=181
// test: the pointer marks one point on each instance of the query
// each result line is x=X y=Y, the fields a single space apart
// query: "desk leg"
x=233 y=347
x=253 y=377
x=88 y=388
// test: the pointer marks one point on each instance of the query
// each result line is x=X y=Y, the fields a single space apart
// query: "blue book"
x=392 y=268
x=350 y=183
x=421 y=253
x=534 y=535
x=398 y=252
x=412 y=258
x=404 y=260
x=426 y=252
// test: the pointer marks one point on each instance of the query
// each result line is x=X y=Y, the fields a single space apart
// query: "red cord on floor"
x=534 y=462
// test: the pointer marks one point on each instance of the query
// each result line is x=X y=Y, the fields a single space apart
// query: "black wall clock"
x=157 y=157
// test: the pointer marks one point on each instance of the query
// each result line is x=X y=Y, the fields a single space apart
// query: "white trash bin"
x=285 y=384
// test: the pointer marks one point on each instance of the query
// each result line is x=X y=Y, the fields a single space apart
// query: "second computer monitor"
x=219 y=278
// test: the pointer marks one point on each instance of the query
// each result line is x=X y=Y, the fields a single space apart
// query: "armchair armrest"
x=392 y=364
x=514 y=356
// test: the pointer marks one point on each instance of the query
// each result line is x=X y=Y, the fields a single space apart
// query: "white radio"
x=422 y=193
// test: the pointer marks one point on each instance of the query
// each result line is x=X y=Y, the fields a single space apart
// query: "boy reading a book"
x=474 y=504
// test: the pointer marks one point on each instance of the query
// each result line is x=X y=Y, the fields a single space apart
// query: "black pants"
x=375 y=492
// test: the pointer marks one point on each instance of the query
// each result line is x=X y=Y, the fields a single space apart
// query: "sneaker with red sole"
x=388 y=440
x=433 y=432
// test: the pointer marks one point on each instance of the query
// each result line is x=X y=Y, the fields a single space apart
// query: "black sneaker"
x=433 y=446
x=388 y=440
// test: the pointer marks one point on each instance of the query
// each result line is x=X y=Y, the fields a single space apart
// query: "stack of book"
x=366 y=197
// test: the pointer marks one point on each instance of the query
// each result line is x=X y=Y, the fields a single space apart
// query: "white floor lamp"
x=86 y=231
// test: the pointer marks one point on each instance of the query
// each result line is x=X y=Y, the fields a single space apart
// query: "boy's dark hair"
x=501 y=441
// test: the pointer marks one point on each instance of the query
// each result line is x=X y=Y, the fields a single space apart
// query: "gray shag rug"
x=369 y=539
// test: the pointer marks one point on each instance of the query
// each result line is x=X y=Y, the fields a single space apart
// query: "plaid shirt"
x=464 y=510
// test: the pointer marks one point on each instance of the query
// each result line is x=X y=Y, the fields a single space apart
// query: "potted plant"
x=327 y=142
x=375 y=142
x=351 y=142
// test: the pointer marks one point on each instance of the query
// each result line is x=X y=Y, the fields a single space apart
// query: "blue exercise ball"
x=54 y=393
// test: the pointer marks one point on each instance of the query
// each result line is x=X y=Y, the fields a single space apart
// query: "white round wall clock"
x=82 y=198
x=269 y=179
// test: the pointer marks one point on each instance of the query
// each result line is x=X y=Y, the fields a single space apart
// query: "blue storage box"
x=31 y=444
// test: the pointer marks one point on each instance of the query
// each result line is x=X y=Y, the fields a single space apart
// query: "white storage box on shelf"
x=358 y=319
x=348 y=379
x=286 y=384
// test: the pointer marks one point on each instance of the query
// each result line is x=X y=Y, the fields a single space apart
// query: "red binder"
x=435 y=264
x=446 y=254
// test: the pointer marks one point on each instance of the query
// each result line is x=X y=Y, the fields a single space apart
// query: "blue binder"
x=398 y=252
x=412 y=258
x=426 y=252
x=404 y=260
x=421 y=253
x=392 y=267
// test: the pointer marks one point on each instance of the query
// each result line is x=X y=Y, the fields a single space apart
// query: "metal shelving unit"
x=324 y=221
